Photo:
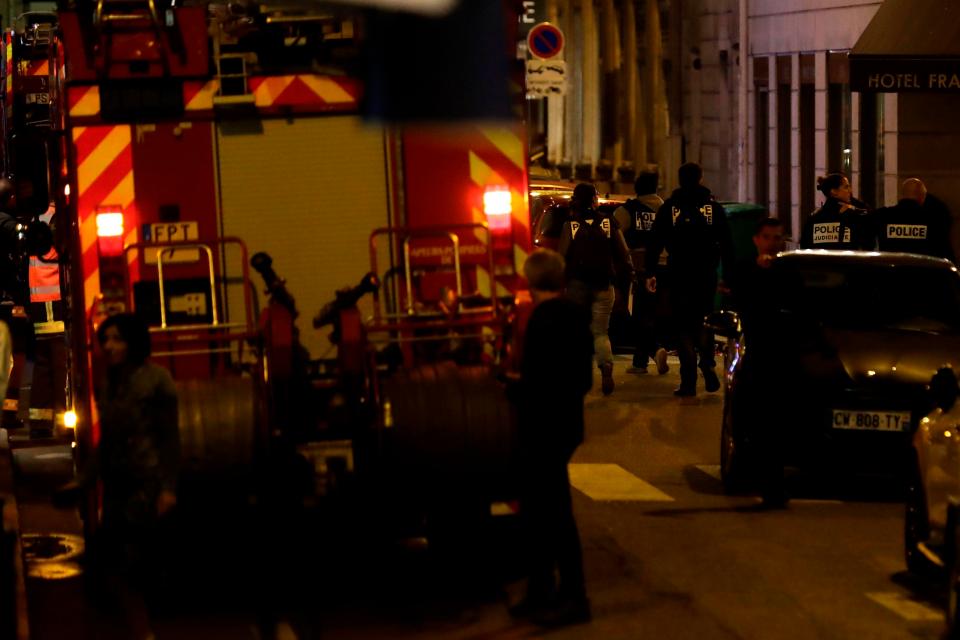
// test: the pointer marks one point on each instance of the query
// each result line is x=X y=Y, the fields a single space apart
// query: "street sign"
x=545 y=41
x=532 y=13
x=171 y=232
x=546 y=78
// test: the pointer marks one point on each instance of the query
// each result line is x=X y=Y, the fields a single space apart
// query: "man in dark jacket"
x=554 y=377
x=693 y=228
x=595 y=252
x=754 y=287
x=635 y=218
x=911 y=228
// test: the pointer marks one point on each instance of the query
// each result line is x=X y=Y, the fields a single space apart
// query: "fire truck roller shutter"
x=308 y=191
x=454 y=426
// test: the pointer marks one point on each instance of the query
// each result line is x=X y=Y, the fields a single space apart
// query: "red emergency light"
x=498 y=208
x=110 y=231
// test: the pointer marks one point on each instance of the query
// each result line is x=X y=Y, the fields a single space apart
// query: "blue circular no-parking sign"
x=545 y=41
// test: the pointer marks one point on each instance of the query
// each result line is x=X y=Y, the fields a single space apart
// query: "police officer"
x=839 y=223
x=910 y=227
x=593 y=247
x=635 y=218
x=693 y=228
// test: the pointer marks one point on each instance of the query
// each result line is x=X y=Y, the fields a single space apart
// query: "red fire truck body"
x=168 y=148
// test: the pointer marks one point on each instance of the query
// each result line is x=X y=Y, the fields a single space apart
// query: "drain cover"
x=50 y=547
x=52 y=556
x=53 y=570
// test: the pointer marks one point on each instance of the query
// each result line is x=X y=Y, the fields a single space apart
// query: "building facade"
x=786 y=63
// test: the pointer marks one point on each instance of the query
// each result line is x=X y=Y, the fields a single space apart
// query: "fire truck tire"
x=217 y=424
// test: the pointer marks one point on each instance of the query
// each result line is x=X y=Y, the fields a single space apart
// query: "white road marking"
x=906 y=608
x=613 y=482
x=815 y=501
x=712 y=470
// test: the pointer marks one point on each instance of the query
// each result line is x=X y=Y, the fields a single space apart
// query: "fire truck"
x=184 y=144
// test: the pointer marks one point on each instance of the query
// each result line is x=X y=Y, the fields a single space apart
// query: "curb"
x=9 y=522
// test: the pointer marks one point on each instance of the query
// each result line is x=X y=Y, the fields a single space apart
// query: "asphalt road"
x=667 y=554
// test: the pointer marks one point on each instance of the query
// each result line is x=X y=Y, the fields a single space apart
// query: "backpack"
x=590 y=255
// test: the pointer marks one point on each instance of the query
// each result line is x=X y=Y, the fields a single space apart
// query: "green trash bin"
x=742 y=217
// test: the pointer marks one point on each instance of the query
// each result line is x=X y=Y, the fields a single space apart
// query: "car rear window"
x=898 y=297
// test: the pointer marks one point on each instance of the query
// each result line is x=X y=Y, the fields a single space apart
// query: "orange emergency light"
x=110 y=231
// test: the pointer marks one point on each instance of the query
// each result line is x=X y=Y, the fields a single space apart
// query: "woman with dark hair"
x=839 y=223
x=136 y=461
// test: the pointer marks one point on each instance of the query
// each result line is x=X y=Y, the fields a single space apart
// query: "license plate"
x=871 y=420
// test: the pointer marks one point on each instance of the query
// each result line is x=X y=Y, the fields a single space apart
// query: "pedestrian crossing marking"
x=54 y=456
x=611 y=482
x=712 y=470
x=906 y=608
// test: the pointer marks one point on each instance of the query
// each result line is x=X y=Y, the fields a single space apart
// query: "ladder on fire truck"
x=126 y=17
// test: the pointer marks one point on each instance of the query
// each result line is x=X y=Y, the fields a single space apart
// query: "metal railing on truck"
x=224 y=420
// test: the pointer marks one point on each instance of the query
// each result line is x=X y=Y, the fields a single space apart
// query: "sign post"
x=546 y=69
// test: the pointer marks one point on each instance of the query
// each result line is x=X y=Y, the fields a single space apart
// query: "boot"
x=710 y=380
x=606 y=376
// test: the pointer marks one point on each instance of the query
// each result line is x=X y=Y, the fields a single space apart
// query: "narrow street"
x=667 y=554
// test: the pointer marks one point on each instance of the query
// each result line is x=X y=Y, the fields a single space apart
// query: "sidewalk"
x=9 y=519
x=51 y=538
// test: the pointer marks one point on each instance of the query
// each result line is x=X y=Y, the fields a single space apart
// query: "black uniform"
x=754 y=292
x=636 y=217
x=693 y=228
x=9 y=271
x=827 y=228
x=555 y=374
x=598 y=254
x=910 y=228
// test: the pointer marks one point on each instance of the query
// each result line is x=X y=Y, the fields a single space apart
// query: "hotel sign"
x=901 y=75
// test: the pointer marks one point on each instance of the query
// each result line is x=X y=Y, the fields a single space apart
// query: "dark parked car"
x=848 y=344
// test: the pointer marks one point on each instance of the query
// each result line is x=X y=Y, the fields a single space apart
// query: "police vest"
x=641 y=223
x=706 y=211
x=894 y=231
x=604 y=226
x=830 y=233
x=44 y=273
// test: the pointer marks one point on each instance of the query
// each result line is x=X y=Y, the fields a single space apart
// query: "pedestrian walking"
x=839 y=223
x=635 y=218
x=692 y=227
x=555 y=375
x=593 y=247
x=911 y=228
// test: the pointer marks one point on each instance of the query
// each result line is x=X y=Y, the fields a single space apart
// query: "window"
x=808 y=135
x=761 y=131
x=871 y=149
x=838 y=113
x=784 y=140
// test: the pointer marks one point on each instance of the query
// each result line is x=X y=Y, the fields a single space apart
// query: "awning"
x=910 y=45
